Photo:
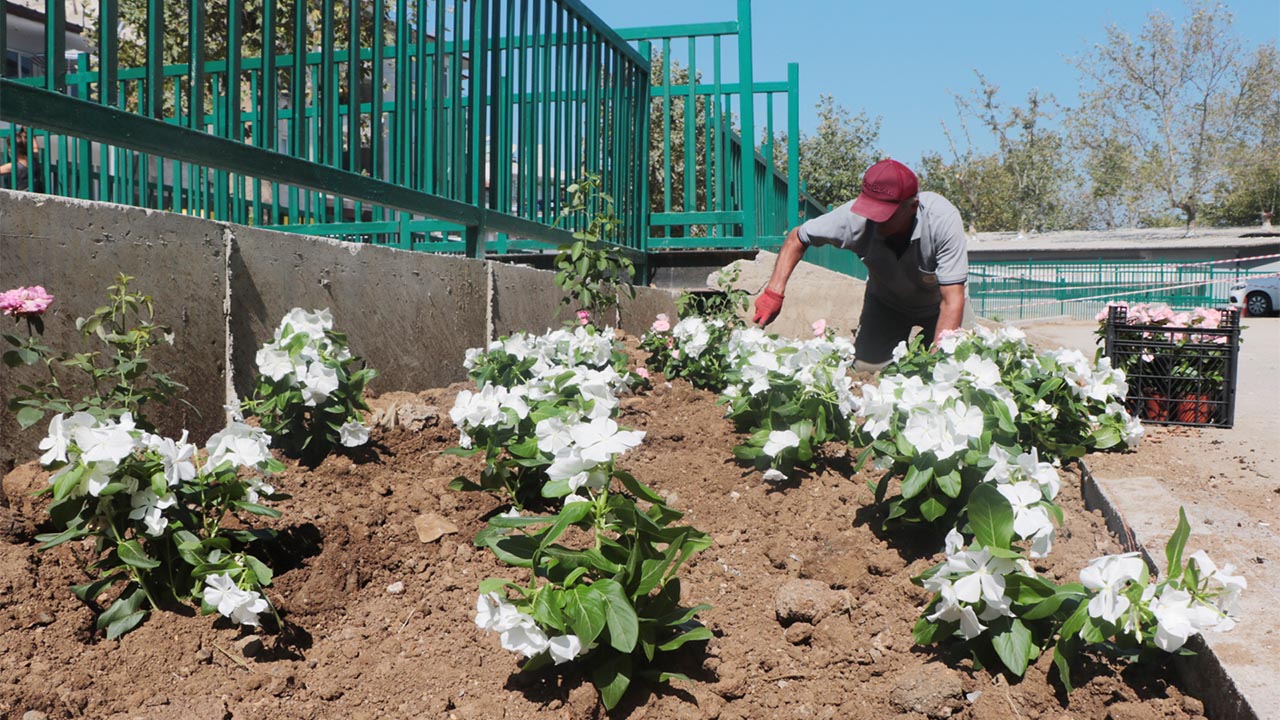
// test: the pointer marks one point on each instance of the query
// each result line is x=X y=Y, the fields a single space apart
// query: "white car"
x=1258 y=296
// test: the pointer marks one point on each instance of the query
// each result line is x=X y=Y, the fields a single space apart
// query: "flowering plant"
x=694 y=349
x=120 y=377
x=790 y=396
x=728 y=304
x=989 y=582
x=936 y=419
x=542 y=413
x=309 y=394
x=1119 y=606
x=611 y=596
x=158 y=515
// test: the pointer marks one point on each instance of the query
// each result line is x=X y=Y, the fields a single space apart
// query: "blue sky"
x=901 y=61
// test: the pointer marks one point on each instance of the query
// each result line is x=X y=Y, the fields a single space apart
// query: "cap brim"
x=872 y=209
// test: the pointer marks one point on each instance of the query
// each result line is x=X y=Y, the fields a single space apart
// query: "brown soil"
x=356 y=650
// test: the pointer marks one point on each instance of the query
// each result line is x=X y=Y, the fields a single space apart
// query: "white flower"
x=552 y=434
x=1030 y=520
x=981 y=576
x=353 y=433
x=780 y=440
x=318 y=381
x=148 y=507
x=575 y=498
x=1108 y=576
x=1178 y=617
x=493 y=612
x=273 y=362
x=525 y=637
x=313 y=324
x=1227 y=586
x=1042 y=473
x=774 y=475
x=177 y=457
x=242 y=606
x=564 y=648
x=600 y=440
x=60 y=436
x=109 y=441
x=243 y=445
x=255 y=487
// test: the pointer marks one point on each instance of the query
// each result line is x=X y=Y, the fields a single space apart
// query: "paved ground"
x=1229 y=482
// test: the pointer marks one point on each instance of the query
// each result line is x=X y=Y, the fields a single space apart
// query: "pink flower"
x=1107 y=310
x=819 y=327
x=662 y=324
x=25 y=301
x=584 y=317
x=1206 y=318
x=643 y=372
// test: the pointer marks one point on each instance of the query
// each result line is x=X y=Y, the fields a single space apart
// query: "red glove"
x=768 y=305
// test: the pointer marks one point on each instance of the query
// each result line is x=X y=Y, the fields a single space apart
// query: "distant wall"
x=223 y=289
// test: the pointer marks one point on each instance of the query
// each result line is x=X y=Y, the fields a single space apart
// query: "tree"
x=833 y=159
x=1252 y=183
x=657 y=126
x=1177 y=96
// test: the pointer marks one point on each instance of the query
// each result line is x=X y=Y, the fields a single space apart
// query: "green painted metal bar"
x=710 y=217
x=666 y=126
x=353 y=162
x=108 y=62
x=153 y=105
x=268 y=87
x=689 y=157
x=746 y=116
x=793 y=144
x=55 y=45
x=662 y=32
x=235 y=45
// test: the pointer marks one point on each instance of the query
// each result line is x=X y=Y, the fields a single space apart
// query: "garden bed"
x=356 y=648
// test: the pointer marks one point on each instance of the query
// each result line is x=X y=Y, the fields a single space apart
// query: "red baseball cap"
x=884 y=187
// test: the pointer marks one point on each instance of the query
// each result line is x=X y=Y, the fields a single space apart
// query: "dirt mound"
x=380 y=622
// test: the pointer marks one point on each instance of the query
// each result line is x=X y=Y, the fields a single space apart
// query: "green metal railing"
x=698 y=197
x=1080 y=289
x=417 y=123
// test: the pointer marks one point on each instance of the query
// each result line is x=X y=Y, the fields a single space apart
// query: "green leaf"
x=639 y=489
x=931 y=509
x=915 y=481
x=132 y=554
x=260 y=571
x=611 y=678
x=463 y=484
x=120 y=618
x=990 y=517
x=1050 y=606
x=89 y=591
x=257 y=509
x=950 y=484
x=1013 y=645
x=29 y=416
x=570 y=514
x=125 y=624
x=925 y=631
x=1177 y=543
x=620 y=617
x=698 y=633
x=587 y=611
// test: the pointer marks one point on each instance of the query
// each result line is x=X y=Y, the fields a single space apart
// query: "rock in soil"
x=807 y=601
x=432 y=527
x=933 y=689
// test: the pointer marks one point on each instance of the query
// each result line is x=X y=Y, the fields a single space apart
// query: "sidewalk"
x=1228 y=480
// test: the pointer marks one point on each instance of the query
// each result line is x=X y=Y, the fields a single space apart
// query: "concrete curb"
x=1204 y=673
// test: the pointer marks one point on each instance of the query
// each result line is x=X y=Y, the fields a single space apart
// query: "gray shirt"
x=937 y=254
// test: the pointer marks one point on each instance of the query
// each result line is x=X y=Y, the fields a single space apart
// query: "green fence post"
x=747 y=116
x=793 y=145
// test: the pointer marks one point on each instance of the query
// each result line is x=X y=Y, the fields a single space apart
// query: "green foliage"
x=119 y=378
x=833 y=159
x=160 y=527
x=727 y=304
x=592 y=270
x=310 y=390
x=614 y=587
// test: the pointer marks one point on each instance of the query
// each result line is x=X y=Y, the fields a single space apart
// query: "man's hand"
x=768 y=305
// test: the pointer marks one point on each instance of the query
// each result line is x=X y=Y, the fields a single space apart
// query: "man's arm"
x=769 y=303
x=951 y=311
x=788 y=257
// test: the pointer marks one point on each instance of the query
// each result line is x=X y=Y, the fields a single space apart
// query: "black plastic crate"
x=1177 y=376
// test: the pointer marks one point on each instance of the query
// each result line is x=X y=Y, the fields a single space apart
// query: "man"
x=914 y=247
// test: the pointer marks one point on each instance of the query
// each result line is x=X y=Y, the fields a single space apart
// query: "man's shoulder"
x=935 y=203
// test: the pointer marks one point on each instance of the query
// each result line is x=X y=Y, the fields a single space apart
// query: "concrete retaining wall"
x=223 y=289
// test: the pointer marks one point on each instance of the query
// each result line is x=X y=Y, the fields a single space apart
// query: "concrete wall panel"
x=525 y=299
x=411 y=316
x=75 y=249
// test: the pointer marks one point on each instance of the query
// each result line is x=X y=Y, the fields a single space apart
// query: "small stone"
x=932 y=689
x=34 y=715
x=799 y=633
x=807 y=601
x=251 y=646
x=396 y=588
x=1192 y=706
x=204 y=656
x=44 y=618
x=431 y=527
